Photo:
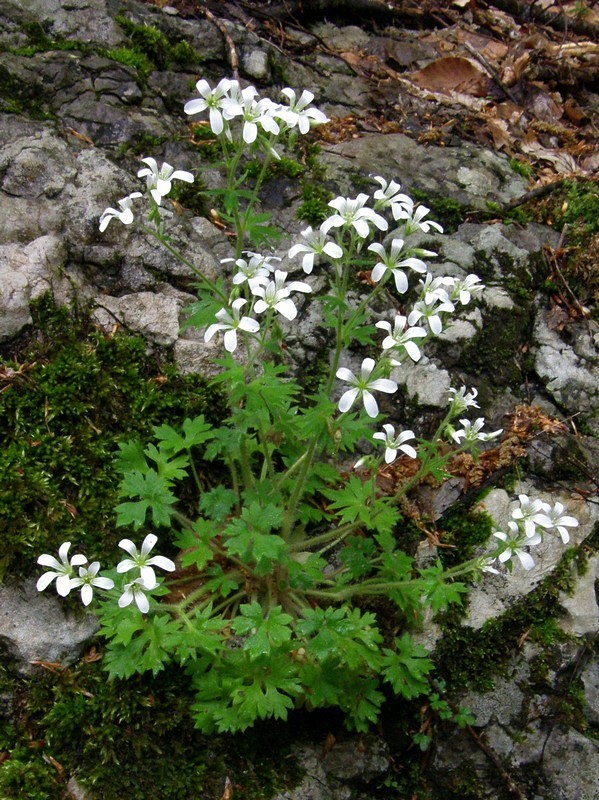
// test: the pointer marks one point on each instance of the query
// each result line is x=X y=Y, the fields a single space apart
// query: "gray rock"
x=365 y=759
x=255 y=64
x=14 y=303
x=590 y=680
x=570 y=370
x=469 y=175
x=424 y=381
x=582 y=615
x=571 y=765
x=82 y=20
x=154 y=316
x=36 y=627
x=497 y=593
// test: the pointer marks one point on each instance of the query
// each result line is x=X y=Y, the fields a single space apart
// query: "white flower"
x=136 y=591
x=388 y=194
x=561 y=522
x=316 y=243
x=125 y=214
x=429 y=308
x=61 y=570
x=392 y=261
x=257 y=268
x=532 y=513
x=159 y=181
x=399 y=338
x=351 y=211
x=142 y=561
x=472 y=432
x=514 y=543
x=242 y=103
x=467 y=288
x=230 y=322
x=485 y=564
x=414 y=220
x=395 y=443
x=362 y=386
x=88 y=578
x=275 y=294
x=461 y=400
x=297 y=114
x=212 y=99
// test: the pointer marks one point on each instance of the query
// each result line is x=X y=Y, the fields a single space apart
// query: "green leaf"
x=131 y=457
x=195 y=432
x=265 y=632
x=439 y=593
x=406 y=668
x=155 y=496
x=218 y=502
x=357 y=556
x=195 y=544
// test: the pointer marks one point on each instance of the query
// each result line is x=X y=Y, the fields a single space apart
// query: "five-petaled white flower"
x=61 y=570
x=561 y=522
x=212 y=99
x=242 y=103
x=393 y=262
x=125 y=214
x=88 y=578
x=514 y=544
x=430 y=309
x=395 y=443
x=467 y=288
x=143 y=561
x=230 y=321
x=398 y=337
x=532 y=513
x=316 y=243
x=255 y=269
x=298 y=114
x=362 y=386
x=472 y=432
x=461 y=400
x=414 y=218
x=136 y=591
x=275 y=294
x=351 y=211
x=389 y=194
x=159 y=181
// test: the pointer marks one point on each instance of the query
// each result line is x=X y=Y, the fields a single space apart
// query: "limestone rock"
x=36 y=627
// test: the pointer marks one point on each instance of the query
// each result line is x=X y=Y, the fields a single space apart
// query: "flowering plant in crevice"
x=266 y=604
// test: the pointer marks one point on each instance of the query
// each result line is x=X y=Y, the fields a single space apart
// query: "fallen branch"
x=559 y=21
x=534 y=194
x=218 y=23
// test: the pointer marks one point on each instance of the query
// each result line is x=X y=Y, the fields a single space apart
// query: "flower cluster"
x=63 y=571
x=526 y=527
x=228 y=102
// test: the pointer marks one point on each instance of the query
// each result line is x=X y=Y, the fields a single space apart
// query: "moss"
x=445 y=210
x=314 y=208
x=498 y=343
x=81 y=393
x=522 y=168
x=464 y=531
x=135 y=739
x=471 y=659
x=155 y=47
x=16 y=97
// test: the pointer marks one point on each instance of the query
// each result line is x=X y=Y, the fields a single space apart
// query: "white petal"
x=63 y=585
x=148 y=577
x=63 y=551
x=130 y=548
x=370 y=404
x=45 y=581
x=47 y=560
x=87 y=594
x=163 y=562
x=126 y=598
x=344 y=374
x=148 y=543
x=347 y=399
x=230 y=340
x=287 y=308
x=142 y=602
x=125 y=565
x=525 y=559
x=104 y=583
x=384 y=385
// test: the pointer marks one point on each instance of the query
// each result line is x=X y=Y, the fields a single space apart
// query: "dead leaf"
x=574 y=112
x=514 y=70
x=563 y=162
x=452 y=74
x=228 y=793
x=500 y=133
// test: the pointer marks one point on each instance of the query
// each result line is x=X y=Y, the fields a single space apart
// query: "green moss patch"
x=77 y=394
